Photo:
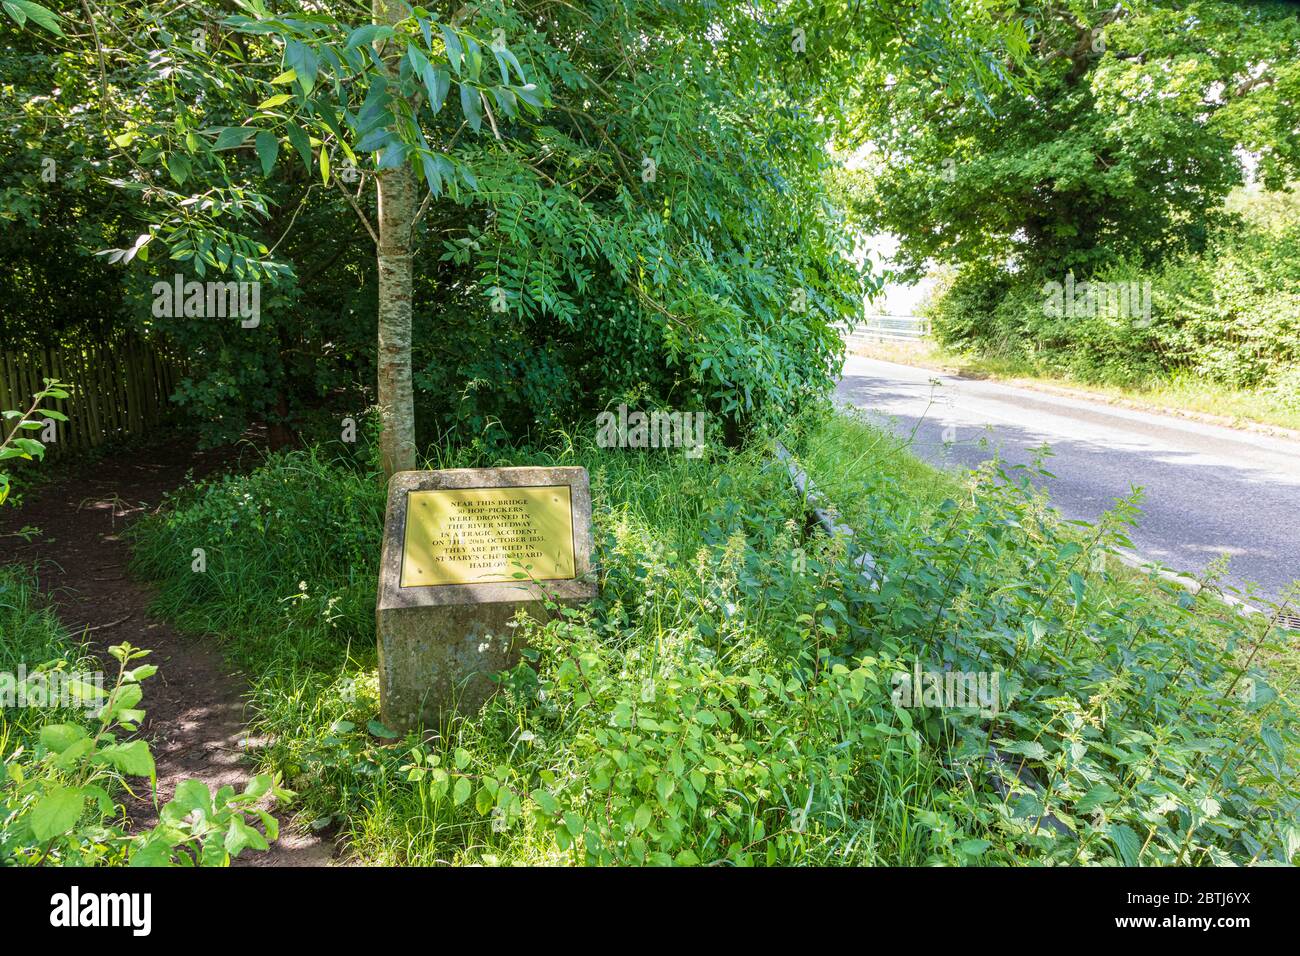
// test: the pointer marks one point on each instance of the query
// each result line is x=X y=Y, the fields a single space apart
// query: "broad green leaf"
x=437 y=83
x=302 y=59
x=191 y=795
x=23 y=10
x=178 y=167
x=232 y=137
x=469 y=104
x=301 y=142
x=56 y=812
x=271 y=102
x=368 y=34
x=392 y=156
x=431 y=175
x=455 y=51
x=1096 y=797
x=132 y=759
x=1127 y=842
x=268 y=148
x=59 y=737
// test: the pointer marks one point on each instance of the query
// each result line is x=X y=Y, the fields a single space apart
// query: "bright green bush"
x=1230 y=315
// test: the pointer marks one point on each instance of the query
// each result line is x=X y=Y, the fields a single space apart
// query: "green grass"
x=1181 y=393
x=31 y=637
x=729 y=697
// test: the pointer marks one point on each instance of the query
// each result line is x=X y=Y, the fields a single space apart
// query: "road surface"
x=1209 y=490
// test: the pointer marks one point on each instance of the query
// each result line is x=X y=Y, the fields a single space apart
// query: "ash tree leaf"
x=529 y=94
x=506 y=100
x=22 y=10
x=268 y=148
x=437 y=83
x=302 y=59
x=301 y=142
x=271 y=102
x=473 y=59
x=470 y=106
x=455 y=51
x=232 y=137
x=431 y=175
x=375 y=140
x=367 y=34
x=392 y=156
x=505 y=60
x=416 y=59
x=468 y=175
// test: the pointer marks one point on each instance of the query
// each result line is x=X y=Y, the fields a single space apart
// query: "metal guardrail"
x=888 y=328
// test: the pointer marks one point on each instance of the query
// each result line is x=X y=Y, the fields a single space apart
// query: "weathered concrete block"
x=453 y=542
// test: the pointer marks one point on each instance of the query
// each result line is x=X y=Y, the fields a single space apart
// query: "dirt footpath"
x=195 y=702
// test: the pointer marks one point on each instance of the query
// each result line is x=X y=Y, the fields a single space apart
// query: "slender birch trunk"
x=397 y=207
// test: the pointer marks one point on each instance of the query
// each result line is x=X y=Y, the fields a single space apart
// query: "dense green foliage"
x=1229 y=314
x=729 y=696
x=1141 y=118
x=1125 y=147
x=626 y=199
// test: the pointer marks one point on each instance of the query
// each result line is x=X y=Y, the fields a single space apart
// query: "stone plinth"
x=453 y=542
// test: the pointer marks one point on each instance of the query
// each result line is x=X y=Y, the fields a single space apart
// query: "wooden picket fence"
x=119 y=387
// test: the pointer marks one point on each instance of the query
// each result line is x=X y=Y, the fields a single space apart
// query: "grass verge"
x=738 y=694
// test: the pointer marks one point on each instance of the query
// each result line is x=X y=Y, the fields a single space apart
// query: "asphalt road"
x=1209 y=490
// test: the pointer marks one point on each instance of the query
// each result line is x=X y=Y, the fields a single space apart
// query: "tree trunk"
x=397 y=205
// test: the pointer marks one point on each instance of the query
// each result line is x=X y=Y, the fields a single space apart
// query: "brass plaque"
x=484 y=535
